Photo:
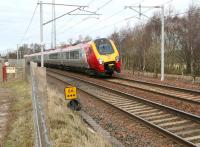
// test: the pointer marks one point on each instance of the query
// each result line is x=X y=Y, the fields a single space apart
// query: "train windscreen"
x=104 y=46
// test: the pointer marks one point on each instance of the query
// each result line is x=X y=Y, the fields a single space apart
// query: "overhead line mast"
x=162 y=32
x=78 y=7
x=53 y=33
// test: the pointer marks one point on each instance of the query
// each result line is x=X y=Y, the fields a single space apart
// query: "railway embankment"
x=65 y=127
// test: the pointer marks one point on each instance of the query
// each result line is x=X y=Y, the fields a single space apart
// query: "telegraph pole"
x=162 y=38
x=41 y=34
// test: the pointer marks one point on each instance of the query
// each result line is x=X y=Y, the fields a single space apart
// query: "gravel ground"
x=129 y=131
x=178 y=104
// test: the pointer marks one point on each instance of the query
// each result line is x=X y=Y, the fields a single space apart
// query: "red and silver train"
x=99 y=56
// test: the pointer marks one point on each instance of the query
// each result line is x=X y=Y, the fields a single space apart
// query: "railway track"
x=181 y=126
x=183 y=94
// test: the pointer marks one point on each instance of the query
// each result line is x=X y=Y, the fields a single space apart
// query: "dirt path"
x=5 y=99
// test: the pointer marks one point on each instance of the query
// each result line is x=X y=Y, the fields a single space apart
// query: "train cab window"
x=53 y=56
x=74 y=54
x=104 y=46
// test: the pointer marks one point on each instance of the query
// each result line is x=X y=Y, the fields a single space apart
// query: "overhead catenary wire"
x=29 y=24
x=102 y=6
x=118 y=12
x=126 y=18
x=181 y=13
x=84 y=19
x=90 y=2
x=89 y=27
x=132 y=16
x=117 y=22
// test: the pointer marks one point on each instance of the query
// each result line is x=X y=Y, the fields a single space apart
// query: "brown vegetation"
x=67 y=128
x=140 y=46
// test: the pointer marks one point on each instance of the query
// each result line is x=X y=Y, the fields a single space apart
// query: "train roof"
x=68 y=48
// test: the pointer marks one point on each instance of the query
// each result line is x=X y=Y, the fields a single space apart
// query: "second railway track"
x=183 y=94
x=180 y=125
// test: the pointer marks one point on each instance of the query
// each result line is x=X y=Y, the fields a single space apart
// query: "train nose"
x=109 y=66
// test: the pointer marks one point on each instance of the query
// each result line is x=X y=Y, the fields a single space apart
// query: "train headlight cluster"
x=100 y=61
x=117 y=59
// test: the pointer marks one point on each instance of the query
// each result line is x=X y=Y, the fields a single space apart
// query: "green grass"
x=20 y=132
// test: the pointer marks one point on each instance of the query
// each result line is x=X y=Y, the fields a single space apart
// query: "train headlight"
x=117 y=59
x=100 y=61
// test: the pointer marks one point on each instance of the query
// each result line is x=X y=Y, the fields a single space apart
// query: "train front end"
x=107 y=56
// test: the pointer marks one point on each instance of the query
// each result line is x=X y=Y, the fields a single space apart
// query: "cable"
x=102 y=6
x=120 y=21
x=84 y=19
x=29 y=24
x=181 y=13
x=96 y=23
x=128 y=18
x=110 y=17
x=89 y=3
x=118 y=12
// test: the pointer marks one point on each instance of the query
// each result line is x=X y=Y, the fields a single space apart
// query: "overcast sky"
x=15 y=16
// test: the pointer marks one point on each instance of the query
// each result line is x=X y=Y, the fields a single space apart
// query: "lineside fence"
x=40 y=105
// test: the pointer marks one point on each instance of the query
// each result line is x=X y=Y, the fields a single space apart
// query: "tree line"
x=140 y=45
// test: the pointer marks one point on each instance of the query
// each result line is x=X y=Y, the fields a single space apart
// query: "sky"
x=15 y=16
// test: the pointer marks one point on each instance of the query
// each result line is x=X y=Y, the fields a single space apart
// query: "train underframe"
x=108 y=69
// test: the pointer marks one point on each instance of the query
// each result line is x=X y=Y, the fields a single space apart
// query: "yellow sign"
x=70 y=93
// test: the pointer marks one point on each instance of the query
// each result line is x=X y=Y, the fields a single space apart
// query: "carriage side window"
x=45 y=57
x=80 y=53
x=74 y=54
x=67 y=55
x=53 y=56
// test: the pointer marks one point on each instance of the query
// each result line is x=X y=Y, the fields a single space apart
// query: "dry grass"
x=66 y=127
x=20 y=131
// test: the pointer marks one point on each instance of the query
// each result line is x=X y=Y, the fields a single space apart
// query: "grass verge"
x=67 y=128
x=20 y=131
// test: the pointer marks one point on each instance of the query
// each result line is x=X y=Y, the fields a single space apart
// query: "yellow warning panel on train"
x=70 y=93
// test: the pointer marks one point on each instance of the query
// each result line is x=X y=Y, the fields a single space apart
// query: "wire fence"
x=39 y=103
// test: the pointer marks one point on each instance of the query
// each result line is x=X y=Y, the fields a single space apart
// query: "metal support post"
x=41 y=35
x=162 y=37
x=17 y=53
x=54 y=15
x=53 y=35
x=162 y=45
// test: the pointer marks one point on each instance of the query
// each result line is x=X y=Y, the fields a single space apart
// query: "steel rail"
x=158 y=92
x=189 y=90
x=162 y=107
